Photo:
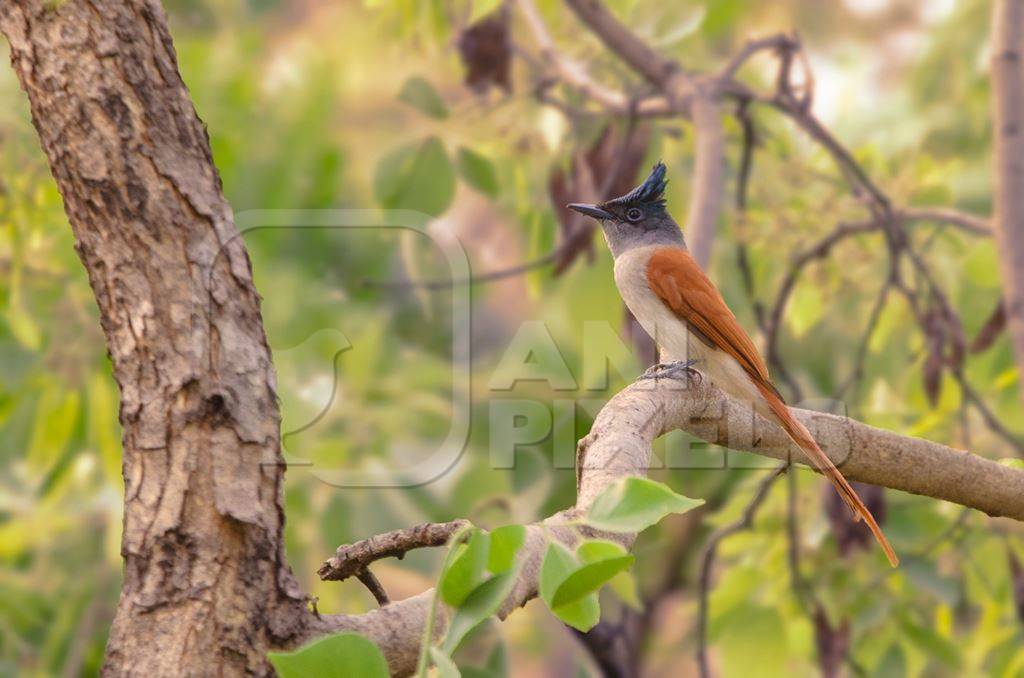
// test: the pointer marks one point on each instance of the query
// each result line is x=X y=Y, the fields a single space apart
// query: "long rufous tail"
x=802 y=437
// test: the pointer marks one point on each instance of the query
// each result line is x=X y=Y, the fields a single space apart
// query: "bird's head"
x=638 y=218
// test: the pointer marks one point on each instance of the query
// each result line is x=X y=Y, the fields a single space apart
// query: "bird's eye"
x=634 y=214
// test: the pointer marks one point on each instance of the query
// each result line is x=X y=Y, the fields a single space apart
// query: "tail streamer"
x=803 y=438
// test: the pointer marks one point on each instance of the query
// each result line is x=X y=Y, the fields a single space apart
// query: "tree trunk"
x=1008 y=143
x=206 y=587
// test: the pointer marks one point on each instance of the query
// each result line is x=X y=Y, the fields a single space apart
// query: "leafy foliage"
x=305 y=109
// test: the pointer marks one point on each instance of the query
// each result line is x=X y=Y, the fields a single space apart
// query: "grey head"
x=638 y=218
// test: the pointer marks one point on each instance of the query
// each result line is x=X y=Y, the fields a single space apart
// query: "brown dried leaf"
x=932 y=377
x=487 y=53
x=832 y=642
x=936 y=331
x=611 y=163
x=991 y=330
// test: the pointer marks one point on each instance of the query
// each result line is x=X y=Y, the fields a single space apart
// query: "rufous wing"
x=674 y=276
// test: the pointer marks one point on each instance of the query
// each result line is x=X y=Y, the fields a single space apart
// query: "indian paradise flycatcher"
x=683 y=311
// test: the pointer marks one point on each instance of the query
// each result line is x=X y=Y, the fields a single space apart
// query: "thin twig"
x=752 y=47
x=801 y=588
x=374 y=586
x=491 y=276
x=742 y=192
x=774 y=323
x=744 y=522
x=352 y=559
x=857 y=373
x=969 y=223
x=625 y=44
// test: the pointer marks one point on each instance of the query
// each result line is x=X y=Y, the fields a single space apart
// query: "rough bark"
x=1008 y=162
x=206 y=589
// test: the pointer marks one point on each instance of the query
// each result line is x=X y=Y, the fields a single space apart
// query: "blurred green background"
x=362 y=105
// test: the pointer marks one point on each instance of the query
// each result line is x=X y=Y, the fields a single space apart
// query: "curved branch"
x=962 y=220
x=576 y=76
x=655 y=68
x=619 y=445
x=779 y=41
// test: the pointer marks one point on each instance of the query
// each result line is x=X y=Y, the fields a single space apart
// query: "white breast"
x=670 y=333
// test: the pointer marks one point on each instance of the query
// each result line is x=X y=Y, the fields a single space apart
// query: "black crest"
x=651 y=192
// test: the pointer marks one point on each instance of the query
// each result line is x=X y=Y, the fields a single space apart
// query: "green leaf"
x=479 y=606
x=338 y=656
x=422 y=96
x=54 y=424
x=625 y=587
x=505 y=543
x=806 y=308
x=446 y=668
x=582 y=615
x=23 y=327
x=633 y=504
x=602 y=560
x=466 y=569
x=893 y=662
x=931 y=643
x=482 y=8
x=559 y=563
x=477 y=171
x=753 y=642
x=416 y=177
x=595 y=550
x=497 y=662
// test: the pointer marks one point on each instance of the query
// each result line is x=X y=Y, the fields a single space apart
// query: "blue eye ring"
x=634 y=214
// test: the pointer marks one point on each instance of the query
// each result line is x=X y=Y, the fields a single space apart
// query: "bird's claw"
x=668 y=370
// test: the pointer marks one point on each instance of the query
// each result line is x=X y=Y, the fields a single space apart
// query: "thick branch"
x=708 y=177
x=1008 y=161
x=619 y=445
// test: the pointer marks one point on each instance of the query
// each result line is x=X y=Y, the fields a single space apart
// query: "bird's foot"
x=671 y=370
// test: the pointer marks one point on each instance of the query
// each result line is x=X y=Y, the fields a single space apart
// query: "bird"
x=682 y=310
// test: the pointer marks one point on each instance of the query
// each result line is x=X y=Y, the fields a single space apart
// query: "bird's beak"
x=591 y=210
